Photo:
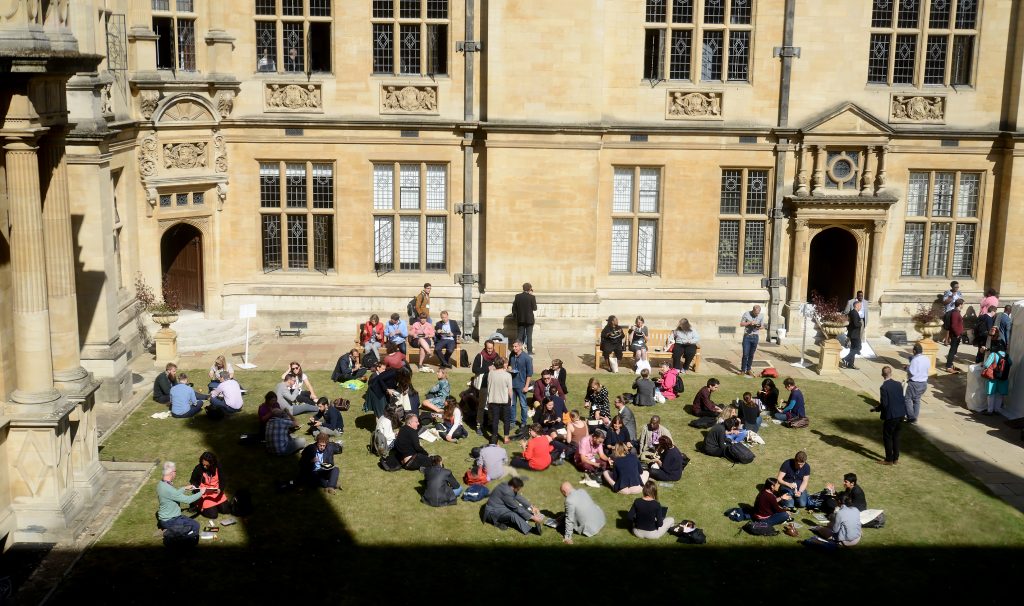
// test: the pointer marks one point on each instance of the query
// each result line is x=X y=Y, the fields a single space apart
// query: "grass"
x=377 y=521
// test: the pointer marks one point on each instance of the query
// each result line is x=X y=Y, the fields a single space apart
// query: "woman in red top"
x=766 y=506
x=371 y=336
x=207 y=475
x=536 y=452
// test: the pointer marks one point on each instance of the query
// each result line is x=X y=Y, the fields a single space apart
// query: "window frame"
x=428 y=53
x=694 y=55
x=953 y=221
x=312 y=208
x=425 y=215
x=923 y=33
x=743 y=217
x=177 y=13
x=636 y=217
x=280 y=21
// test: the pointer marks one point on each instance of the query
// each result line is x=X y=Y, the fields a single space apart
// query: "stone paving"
x=984 y=445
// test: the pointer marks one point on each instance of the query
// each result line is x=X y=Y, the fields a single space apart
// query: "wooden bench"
x=294 y=329
x=411 y=348
x=655 y=338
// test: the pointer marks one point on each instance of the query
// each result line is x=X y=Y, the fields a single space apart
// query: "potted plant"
x=927 y=321
x=164 y=310
x=830 y=319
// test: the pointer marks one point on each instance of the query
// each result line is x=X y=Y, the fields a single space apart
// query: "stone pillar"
x=802 y=188
x=797 y=290
x=818 y=186
x=828 y=357
x=880 y=180
x=875 y=268
x=930 y=349
x=32 y=354
x=60 y=268
x=867 y=183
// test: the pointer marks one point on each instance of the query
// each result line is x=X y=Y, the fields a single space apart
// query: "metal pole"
x=468 y=319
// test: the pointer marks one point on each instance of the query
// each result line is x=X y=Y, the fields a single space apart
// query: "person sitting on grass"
x=316 y=464
x=832 y=499
x=667 y=381
x=440 y=486
x=649 y=436
x=720 y=436
x=536 y=451
x=210 y=481
x=794 y=409
x=547 y=387
x=668 y=463
x=625 y=476
x=505 y=507
x=407 y=448
x=845 y=530
x=389 y=423
x=290 y=396
x=493 y=459
x=421 y=333
x=628 y=418
x=394 y=357
x=590 y=457
x=327 y=420
x=750 y=412
x=645 y=388
x=227 y=395
x=302 y=382
x=348 y=367
x=703 y=405
x=598 y=402
x=185 y=402
x=616 y=434
x=648 y=516
x=450 y=427
x=582 y=515
x=437 y=395
x=220 y=365
x=267 y=409
x=552 y=414
x=170 y=500
x=278 y=437
x=164 y=382
x=768 y=504
x=769 y=396
x=794 y=475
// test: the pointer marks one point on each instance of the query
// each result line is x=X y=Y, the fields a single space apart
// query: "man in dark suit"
x=316 y=463
x=853 y=330
x=446 y=337
x=523 y=307
x=893 y=409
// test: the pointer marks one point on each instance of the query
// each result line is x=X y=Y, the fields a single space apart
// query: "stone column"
x=797 y=291
x=34 y=376
x=875 y=268
x=867 y=183
x=818 y=186
x=880 y=180
x=60 y=267
x=802 y=188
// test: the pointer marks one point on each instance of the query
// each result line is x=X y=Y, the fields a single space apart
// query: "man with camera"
x=752 y=321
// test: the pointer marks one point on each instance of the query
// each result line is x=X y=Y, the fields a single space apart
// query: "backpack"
x=694 y=537
x=471 y=478
x=760 y=529
x=411 y=308
x=998 y=370
x=770 y=372
x=947 y=320
x=736 y=514
x=704 y=422
x=342 y=404
x=878 y=522
x=389 y=463
x=678 y=387
x=241 y=503
x=379 y=444
x=797 y=423
x=739 y=453
x=476 y=492
x=214 y=413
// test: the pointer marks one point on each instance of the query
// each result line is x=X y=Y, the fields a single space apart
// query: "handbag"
x=478 y=382
x=797 y=423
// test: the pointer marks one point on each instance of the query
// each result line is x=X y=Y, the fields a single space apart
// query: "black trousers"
x=500 y=412
x=854 y=350
x=891 y=438
x=954 y=345
x=661 y=476
x=686 y=352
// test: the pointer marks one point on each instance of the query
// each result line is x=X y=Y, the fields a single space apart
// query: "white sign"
x=247 y=311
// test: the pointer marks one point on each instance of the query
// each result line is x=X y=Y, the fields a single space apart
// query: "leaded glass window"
x=636 y=207
x=416 y=198
x=913 y=249
x=963 y=250
x=323 y=186
x=295 y=188
x=728 y=246
x=927 y=247
x=297 y=215
x=412 y=40
x=271 y=242
x=716 y=33
x=437 y=241
x=621 y=230
x=744 y=194
x=323 y=243
x=753 y=247
x=383 y=42
x=409 y=242
x=383 y=244
x=711 y=56
x=732 y=191
x=293 y=36
x=646 y=246
x=680 y=53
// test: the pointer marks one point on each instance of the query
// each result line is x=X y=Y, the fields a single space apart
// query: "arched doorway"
x=181 y=257
x=832 y=267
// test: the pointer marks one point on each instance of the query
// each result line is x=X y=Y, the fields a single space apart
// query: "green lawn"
x=939 y=518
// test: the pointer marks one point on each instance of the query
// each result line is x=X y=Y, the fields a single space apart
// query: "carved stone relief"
x=106 y=103
x=148 y=155
x=200 y=223
x=220 y=153
x=408 y=100
x=148 y=100
x=184 y=155
x=225 y=103
x=293 y=98
x=908 y=108
x=222 y=195
x=683 y=105
x=186 y=110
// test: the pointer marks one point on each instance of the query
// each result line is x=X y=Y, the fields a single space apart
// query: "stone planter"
x=930 y=329
x=832 y=329
x=165 y=319
x=166 y=339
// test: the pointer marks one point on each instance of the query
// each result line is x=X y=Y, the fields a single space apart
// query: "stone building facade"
x=670 y=158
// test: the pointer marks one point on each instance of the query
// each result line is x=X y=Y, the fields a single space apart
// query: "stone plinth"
x=828 y=357
x=930 y=349
x=166 y=346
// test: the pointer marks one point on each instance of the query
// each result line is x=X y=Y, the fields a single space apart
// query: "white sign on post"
x=247 y=312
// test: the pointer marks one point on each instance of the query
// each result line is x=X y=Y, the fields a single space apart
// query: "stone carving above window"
x=148 y=156
x=913 y=108
x=293 y=98
x=184 y=155
x=683 y=105
x=186 y=110
x=148 y=100
x=225 y=103
x=397 y=99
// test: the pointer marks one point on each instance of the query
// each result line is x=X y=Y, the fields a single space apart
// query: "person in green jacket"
x=171 y=499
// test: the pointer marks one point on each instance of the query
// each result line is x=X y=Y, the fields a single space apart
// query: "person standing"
x=998 y=386
x=954 y=332
x=859 y=297
x=917 y=382
x=482 y=365
x=523 y=307
x=990 y=300
x=892 y=408
x=853 y=332
x=951 y=296
x=984 y=329
x=582 y=514
x=520 y=366
x=499 y=397
x=1004 y=325
x=423 y=303
x=752 y=322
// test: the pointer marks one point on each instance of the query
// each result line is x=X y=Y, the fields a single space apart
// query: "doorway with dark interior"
x=181 y=257
x=832 y=268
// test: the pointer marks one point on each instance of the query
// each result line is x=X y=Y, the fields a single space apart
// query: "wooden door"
x=183 y=265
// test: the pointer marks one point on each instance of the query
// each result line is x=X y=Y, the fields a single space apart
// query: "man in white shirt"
x=228 y=395
x=917 y=382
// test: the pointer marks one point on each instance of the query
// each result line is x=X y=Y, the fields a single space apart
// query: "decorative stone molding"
x=152 y=197
x=106 y=103
x=914 y=108
x=222 y=195
x=184 y=155
x=398 y=99
x=683 y=105
x=225 y=103
x=148 y=155
x=186 y=110
x=220 y=153
x=293 y=97
x=200 y=223
x=148 y=100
